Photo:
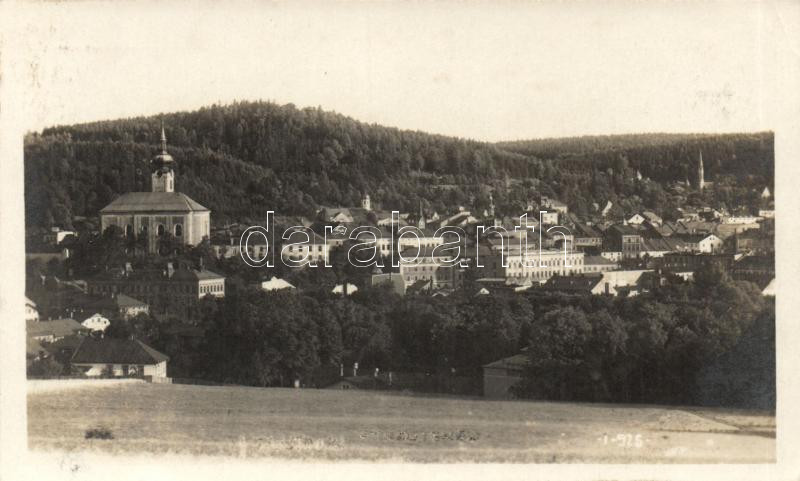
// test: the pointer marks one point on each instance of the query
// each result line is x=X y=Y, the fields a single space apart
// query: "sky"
x=487 y=71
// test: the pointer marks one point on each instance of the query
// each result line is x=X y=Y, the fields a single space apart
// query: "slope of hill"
x=381 y=426
x=244 y=158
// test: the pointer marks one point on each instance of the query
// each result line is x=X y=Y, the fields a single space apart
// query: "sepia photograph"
x=421 y=234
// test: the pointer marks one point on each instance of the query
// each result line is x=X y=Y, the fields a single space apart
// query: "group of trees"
x=245 y=158
x=709 y=342
x=656 y=347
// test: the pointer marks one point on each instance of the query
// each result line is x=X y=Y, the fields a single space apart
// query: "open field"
x=339 y=425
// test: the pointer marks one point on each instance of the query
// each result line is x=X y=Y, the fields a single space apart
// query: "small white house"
x=706 y=243
x=549 y=218
x=636 y=219
x=96 y=322
x=340 y=289
x=31 y=311
x=275 y=284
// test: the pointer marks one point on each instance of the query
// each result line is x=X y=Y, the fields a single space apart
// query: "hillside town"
x=158 y=257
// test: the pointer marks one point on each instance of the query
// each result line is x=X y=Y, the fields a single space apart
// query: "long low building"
x=535 y=267
x=169 y=291
x=96 y=357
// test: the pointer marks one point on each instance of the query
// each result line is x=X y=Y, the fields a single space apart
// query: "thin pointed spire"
x=163 y=138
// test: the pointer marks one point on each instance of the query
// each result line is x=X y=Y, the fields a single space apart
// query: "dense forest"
x=245 y=158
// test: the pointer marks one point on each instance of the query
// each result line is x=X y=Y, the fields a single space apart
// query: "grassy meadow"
x=378 y=426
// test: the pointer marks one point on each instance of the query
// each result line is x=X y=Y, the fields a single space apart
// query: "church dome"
x=163 y=158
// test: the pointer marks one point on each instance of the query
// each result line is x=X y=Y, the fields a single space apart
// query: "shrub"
x=99 y=433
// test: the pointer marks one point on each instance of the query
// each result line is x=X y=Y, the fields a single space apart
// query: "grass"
x=348 y=425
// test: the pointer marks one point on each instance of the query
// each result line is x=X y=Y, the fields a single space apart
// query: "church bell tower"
x=163 y=177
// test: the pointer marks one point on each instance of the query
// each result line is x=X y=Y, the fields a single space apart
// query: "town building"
x=759 y=269
x=168 y=291
x=594 y=264
x=752 y=240
x=304 y=244
x=623 y=238
x=160 y=213
x=705 y=243
x=586 y=237
x=423 y=265
x=31 y=311
x=56 y=235
x=96 y=322
x=53 y=330
x=534 y=267
x=275 y=284
x=98 y=356
x=115 y=306
x=636 y=219
x=680 y=262
x=612 y=283
x=499 y=377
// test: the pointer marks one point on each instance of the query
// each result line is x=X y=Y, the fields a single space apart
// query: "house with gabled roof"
x=53 y=330
x=96 y=356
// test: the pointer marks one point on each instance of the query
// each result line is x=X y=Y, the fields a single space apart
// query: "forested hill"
x=243 y=159
x=659 y=156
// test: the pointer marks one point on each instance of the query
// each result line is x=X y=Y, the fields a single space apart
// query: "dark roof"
x=661 y=245
x=693 y=238
x=152 y=202
x=517 y=361
x=751 y=262
x=583 y=230
x=57 y=327
x=116 y=351
x=194 y=274
x=597 y=260
x=427 y=252
x=623 y=229
x=578 y=282
x=120 y=301
x=123 y=301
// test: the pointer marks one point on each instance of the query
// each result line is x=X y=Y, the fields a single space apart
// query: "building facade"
x=162 y=212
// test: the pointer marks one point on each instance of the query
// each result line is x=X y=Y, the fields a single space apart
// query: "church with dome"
x=161 y=211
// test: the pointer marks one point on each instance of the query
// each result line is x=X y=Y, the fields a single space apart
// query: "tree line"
x=245 y=158
x=709 y=342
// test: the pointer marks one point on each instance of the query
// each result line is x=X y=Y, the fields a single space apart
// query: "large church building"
x=161 y=211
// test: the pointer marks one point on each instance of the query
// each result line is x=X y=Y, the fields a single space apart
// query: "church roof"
x=152 y=202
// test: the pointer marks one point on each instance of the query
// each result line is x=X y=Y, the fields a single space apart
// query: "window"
x=160 y=230
x=128 y=230
x=178 y=230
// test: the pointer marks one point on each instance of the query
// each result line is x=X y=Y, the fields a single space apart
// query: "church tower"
x=163 y=177
x=701 y=181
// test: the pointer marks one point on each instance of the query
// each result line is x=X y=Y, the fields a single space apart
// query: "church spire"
x=163 y=177
x=163 y=139
x=701 y=182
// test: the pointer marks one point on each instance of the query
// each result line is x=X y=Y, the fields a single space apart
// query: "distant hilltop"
x=245 y=158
